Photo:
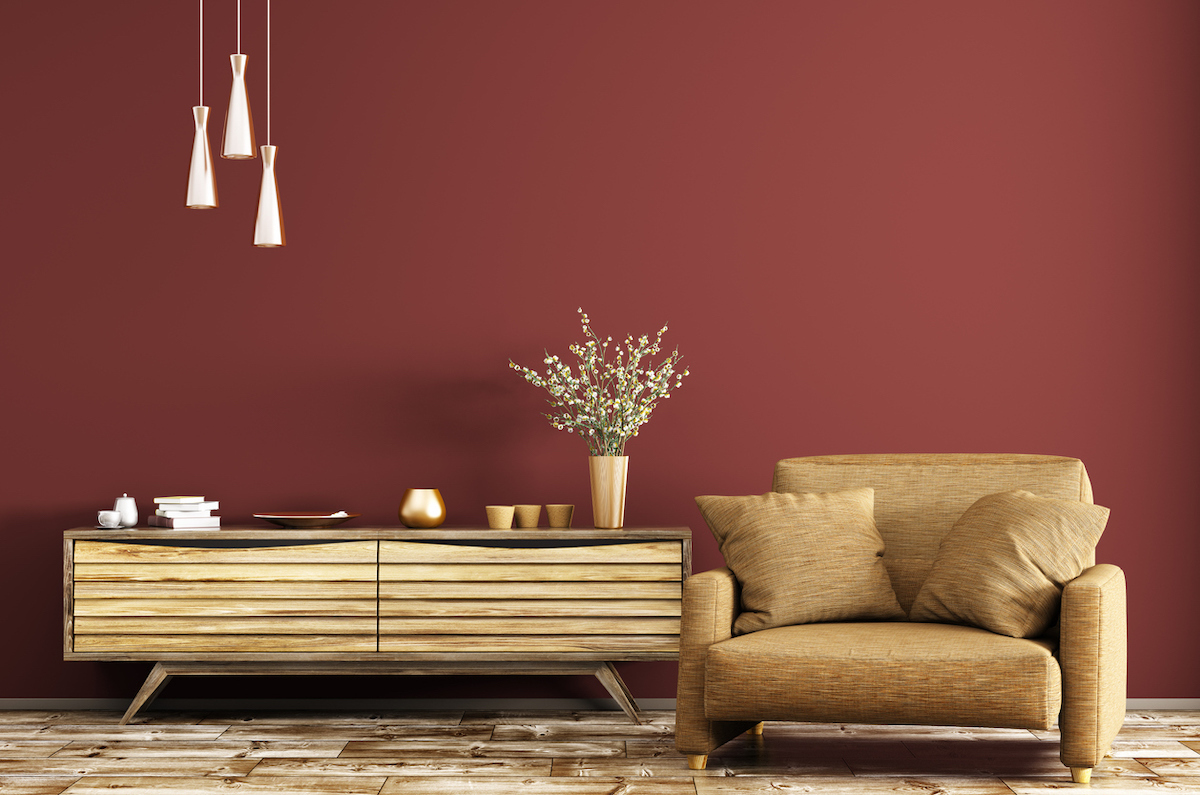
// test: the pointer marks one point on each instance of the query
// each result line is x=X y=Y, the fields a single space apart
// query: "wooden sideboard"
x=376 y=600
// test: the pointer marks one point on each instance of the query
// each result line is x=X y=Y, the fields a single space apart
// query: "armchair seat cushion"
x=884 y=672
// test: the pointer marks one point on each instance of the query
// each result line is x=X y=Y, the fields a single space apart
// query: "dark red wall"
x=872 y=226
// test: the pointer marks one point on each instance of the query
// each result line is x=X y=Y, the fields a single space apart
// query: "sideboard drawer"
x=614 y=601
x=147 y=598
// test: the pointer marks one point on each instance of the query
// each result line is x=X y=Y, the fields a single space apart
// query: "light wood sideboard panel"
x=235 y=647
x=232 y=592
x=529 y=572
x=601 y=647
x=528 y=590
x=565 y=599
x=237 y=599
x=424 y=552
x=391 y=606
x=321 y=554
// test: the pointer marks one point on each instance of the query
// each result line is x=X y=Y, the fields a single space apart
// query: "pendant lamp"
x=268 y=226
x=202 y=182
x=238 y=141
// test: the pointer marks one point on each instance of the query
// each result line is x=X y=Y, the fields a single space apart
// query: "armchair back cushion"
x=919 y=497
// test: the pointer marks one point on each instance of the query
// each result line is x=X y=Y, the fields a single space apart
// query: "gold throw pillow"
x=1003 y=565
x=803 y=558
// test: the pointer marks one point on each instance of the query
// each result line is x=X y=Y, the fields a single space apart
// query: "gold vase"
x=608 y=489
x=422 y=508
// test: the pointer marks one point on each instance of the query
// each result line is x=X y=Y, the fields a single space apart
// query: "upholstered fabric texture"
x=803 y=558
x=1093 y=658
x=1003 y=565
x=893 y=672
x=710 y=604
x=919 y=497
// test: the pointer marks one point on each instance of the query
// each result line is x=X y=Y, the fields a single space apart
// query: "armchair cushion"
x=1003 y=565
x=893 y=672
x=803 y=558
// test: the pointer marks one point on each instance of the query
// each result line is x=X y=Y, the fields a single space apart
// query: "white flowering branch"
x=608 y=399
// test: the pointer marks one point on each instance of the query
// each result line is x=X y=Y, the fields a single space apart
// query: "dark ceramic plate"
x=305 y=519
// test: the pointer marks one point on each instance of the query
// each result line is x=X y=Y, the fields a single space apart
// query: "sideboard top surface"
x=381 y=533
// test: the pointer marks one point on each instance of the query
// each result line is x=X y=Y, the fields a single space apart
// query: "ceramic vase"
x=608 y=489
x=422 y=508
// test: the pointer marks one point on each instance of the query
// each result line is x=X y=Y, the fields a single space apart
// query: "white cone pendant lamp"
x=238 y=141
x=268 y=225
x=202 y=181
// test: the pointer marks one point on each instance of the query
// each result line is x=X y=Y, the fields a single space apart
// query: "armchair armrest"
x=1092 y=652
x=711 y=601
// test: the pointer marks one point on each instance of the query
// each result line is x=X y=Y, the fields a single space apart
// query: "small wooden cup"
x=500 y=517
x=528 y=515
x=560 y=515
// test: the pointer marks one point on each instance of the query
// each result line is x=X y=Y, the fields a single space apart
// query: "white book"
x=199 y=522
x=177 y=500
x=207 y=505
x=171 y=514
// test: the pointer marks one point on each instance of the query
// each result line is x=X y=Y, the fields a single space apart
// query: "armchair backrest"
x=919 y=497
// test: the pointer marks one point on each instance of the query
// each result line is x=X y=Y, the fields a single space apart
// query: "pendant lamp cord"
x=268 y=71
x=201 y=52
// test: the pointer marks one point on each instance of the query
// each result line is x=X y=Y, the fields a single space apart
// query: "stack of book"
x=185 y=512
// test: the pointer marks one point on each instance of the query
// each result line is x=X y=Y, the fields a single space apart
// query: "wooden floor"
x=572 y=753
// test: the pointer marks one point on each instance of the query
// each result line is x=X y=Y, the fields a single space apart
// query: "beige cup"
x=528 y=515
x=560 y=515
x=500 y=517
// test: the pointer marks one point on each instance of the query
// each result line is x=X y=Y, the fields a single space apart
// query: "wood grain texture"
x=249 y=785
x=540 y=751
x=312 y=554
x=205 y=626
x=527 y=625
x=35 y=785
x=529 y=572
x=615 y=646
x=459 y=749
x=529 y=607
x=538 y=786
x=222 y=572
x=142 y=647
x=644 y=552
x=67 y=766
x=225 y=607
x=530 y=590
x=10 y=749
x=745 y=785
x=215 y=749
x=484 y=535
x=226 y=590
x=562 y=732
x=68 y=636
x=394 y=765
x=319 y=731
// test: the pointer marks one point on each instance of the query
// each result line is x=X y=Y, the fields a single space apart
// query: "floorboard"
x=557 y=753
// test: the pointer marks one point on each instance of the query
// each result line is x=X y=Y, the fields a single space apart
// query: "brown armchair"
x=901 y=672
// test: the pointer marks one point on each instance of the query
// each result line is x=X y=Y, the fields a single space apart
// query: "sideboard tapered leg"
x=153 y=685
x=615 y=685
